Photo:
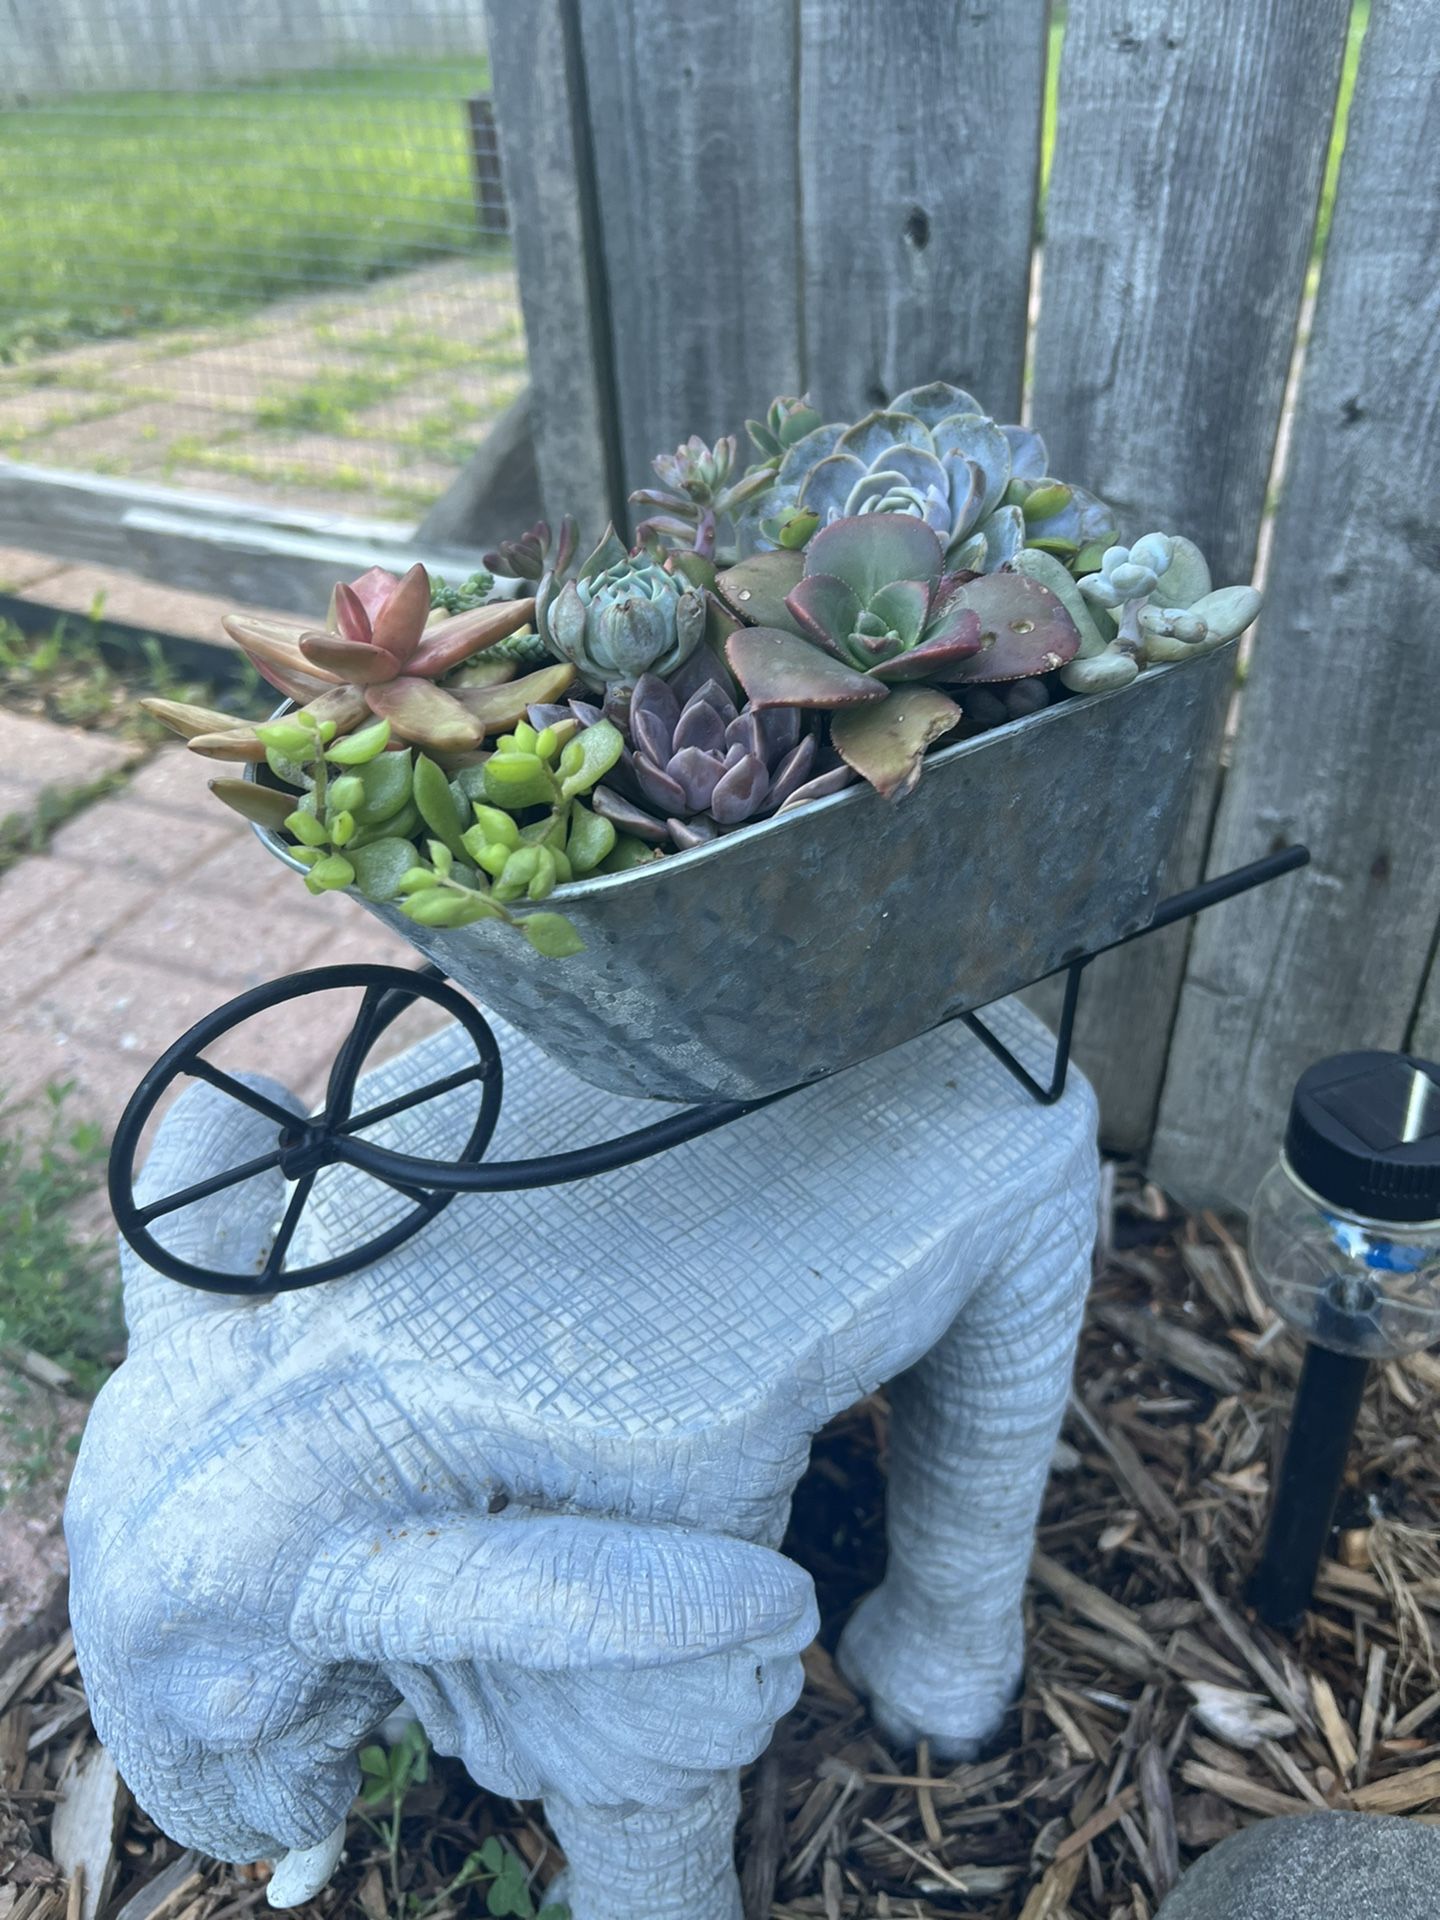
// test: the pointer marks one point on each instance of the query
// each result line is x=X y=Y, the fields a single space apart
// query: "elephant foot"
x=921 y=1680
x=674 y=1863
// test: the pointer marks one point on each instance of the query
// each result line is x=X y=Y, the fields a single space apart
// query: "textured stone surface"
x=530 y=1472
x=1320 y=1866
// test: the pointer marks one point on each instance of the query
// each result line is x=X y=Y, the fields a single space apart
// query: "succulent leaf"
x=868 y=552
x=780 y=669
x=755 y=589
x=1025 y=630
x=886 y=744
x=418 y=710
x=496 y=709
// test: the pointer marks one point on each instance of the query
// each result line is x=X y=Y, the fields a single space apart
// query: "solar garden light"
x=1345 y=1241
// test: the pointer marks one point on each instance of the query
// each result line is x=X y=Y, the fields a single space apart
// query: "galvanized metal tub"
x=802 y=944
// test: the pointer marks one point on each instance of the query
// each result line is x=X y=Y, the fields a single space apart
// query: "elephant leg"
x=938 y=1648
x=671 y=1863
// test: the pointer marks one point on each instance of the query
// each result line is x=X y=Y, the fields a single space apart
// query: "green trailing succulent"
x=449 y=847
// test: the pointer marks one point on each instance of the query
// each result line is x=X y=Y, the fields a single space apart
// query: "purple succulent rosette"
x=698 y=766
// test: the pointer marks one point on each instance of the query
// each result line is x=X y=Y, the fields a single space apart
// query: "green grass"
x=56 y=1297
x=129 y=211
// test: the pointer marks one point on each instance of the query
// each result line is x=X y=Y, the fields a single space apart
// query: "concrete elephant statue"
x=530 y=1472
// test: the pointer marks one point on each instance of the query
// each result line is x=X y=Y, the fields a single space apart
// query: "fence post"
x=918 y=191
x=1341 y=713
x=1191 y=142
x=543 y=114
x=693 y=137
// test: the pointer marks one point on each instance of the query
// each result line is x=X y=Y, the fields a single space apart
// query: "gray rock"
x=1317 y=1866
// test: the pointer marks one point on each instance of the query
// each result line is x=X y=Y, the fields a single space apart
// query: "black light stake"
x=1345 y=1241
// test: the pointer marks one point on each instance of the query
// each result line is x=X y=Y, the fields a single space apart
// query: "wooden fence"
x=717 y=200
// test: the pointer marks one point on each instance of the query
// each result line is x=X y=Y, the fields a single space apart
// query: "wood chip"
x=1093 y=1605
x=1166 y=1340
x=1241 y=1791
x=86 y=1824
x=1047 y=1900
x=1335 y=1727
x=1130 y=1469
x=166 y=1890
x=1370 y=1714
x=1400 y=1792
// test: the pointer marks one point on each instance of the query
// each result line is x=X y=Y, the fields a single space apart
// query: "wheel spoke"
x=432 y=1090
x=341 y=1087
x=203 y=1189
x=275 y=1259
x=201 y=1069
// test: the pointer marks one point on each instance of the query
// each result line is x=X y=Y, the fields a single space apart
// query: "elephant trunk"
x=549 y=1592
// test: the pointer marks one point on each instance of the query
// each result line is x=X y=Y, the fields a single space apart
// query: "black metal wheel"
x=305 y=1147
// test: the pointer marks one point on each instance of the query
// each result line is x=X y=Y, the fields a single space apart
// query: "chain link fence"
x=257 y=250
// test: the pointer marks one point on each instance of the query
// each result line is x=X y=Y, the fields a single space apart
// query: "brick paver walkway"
x=365 y=402
x=144 y=911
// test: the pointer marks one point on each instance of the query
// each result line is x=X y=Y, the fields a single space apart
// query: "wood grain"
x=1337 y=745
x=692 y=115
x=1191 y=140
x=918 y=191
x=542 y=105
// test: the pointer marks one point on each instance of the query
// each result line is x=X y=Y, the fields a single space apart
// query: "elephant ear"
x=563 y=1654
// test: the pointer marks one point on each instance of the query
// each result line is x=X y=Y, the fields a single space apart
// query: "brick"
x=175 y=780
x=54 y=915
x=23 y=413
x=36 y=754
x=140 y=435
x=234 y=950
x=130 y=1007
x=34 y=1055
x=142 y=842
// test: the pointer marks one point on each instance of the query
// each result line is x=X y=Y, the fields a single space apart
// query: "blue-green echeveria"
x=622 y=615
x=933 y=454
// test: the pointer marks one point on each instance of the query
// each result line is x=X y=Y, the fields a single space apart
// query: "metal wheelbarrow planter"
x=799 y=945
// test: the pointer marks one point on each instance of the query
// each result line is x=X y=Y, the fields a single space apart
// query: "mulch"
x=1157 y=1715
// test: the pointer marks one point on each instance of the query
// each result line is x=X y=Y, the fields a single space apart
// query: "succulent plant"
x=934 y=455
x=695 y=494
x=448 y=848
x=1147 y=604
x=867 y=613
x=874 y=592
x=529 y=557
x=621 y=616
x=380 y=653
x=474 y=591
x=699 y=766
x=787 y=420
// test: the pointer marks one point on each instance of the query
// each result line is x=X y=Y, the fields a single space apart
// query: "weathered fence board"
x=540 y=100
x=692 y=123
x=1424 y=1036
x=918 y=191
x=1337 y=743
x=1191 y=142
x=263 y=556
